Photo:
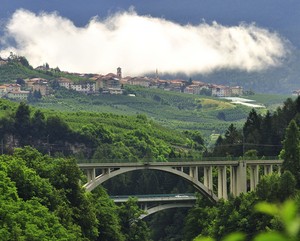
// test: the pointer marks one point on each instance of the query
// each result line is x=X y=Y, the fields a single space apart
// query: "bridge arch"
x=164 y=207
x=96 y=181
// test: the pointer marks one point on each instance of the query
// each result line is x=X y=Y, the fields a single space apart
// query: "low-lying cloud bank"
x=140 y=44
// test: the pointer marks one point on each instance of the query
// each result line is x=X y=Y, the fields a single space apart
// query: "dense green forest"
x=41 y=199
x=94 y=136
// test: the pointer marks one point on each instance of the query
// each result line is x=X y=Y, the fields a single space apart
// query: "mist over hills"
x=277 y=80
x=280 y=80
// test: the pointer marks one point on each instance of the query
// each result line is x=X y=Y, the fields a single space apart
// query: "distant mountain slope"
x=280 y=80
x=12 y=69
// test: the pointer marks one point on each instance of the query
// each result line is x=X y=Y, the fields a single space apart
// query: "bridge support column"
x=194 y=173
x=268 y=169
x=241 y=178
x=144 y=206
x=208 y=180
x=222 y=182
x=233 y=173
x=254 y=176
x=91 y=174
x=279 y=170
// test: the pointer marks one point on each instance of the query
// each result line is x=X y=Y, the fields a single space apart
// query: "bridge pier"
x=91 y=174
x=238 y=178
x=268 y=169
x=222 y=182
x=194 y=173
x=241 y=175
x=233 y=181
x=254 y=176
x=208 y=180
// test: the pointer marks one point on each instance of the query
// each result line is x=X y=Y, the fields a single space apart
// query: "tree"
x=20 y=82
x=38 y=123
x=267 y=135
x=287 y=186
x=230 y=144
x=134 y=228
x=57 y=129
x=107 y=213
x=252 y=129
x=197 y=139
x=22 y=123
x=37 y=94
x=291 y=151
x=205 y=91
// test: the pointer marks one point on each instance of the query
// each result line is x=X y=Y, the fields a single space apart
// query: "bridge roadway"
x=156 y=198
x=198 y=173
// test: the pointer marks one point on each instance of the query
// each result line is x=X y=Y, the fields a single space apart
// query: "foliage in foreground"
x=41 y=199
x=286 y=215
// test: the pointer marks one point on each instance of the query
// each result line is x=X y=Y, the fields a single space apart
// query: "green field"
x=171 y=109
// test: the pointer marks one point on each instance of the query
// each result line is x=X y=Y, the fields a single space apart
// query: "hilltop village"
x=111 y=83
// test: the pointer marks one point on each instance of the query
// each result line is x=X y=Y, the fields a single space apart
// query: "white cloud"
x=141 y=44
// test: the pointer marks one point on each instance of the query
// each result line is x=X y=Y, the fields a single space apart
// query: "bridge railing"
x=154 y=195
x=147 y=160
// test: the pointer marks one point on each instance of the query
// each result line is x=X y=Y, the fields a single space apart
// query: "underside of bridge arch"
x=164 y=207
x=194 y=181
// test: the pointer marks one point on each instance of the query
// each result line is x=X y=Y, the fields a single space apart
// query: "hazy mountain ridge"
x=277 y=80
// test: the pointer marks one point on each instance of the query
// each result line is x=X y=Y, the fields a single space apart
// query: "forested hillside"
x=90 y=135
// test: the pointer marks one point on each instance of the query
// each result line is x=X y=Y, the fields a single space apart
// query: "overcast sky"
x=193 y=36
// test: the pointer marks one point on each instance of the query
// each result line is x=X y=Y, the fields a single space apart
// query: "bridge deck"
x=179 y=164
x=156 y=198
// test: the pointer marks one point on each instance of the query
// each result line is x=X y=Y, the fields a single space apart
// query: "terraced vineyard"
x=175 y=110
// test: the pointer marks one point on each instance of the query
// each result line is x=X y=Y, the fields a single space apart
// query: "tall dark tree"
x=231 y=144
x=22 y=123
x=233 y=141
x=252 y=131
x=291 y=151
x=20 y=82
x=57 y=129
x=38 y=123
x=266 y=141
x=219 y=148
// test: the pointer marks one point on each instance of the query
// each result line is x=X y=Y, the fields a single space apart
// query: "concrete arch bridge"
x=231 y=177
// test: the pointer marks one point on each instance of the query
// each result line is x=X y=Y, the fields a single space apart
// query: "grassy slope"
x=171 y=109
x=176 y=111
